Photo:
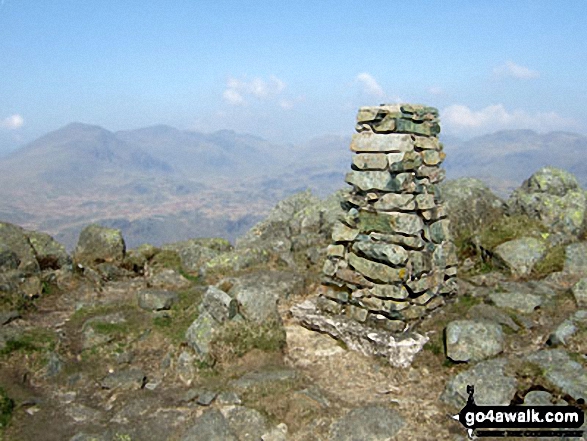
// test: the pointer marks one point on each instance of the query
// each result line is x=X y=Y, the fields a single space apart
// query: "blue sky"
x=289 y=70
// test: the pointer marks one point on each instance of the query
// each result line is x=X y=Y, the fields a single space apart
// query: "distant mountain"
x=504 y=159
x=160 y=184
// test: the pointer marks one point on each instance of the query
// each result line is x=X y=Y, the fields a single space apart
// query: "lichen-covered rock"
x=233 y=262
x=470 y=205
x=49 y=253
x=493 y=386
x=14 y=239
x=468 y=340
x=219 y=304
x=520 y=255
x=558 y=368
x=519 y=301
x=156 y=299
x=554 y=197
x=194 y=253
x=576 y=258
x=99 y=244
x=201 y=333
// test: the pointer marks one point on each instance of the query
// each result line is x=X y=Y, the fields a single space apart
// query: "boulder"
x=371 y=422
x=194 y=253
x=520 y=255
x=15 y=246
x=156 y=299
x=554 y=197
x=580 y=292
x=493 y=387
x=248 y=423
x=201 y=333
x=210 y=426
x=399 y=350
x=558 y=368
x=126 y=379
x=470 y=205
x=519 y=301
x=49 y=253
x=99 y=244
x=468 y=340
x=219 y=304
x=568 y=328
x=576 y=259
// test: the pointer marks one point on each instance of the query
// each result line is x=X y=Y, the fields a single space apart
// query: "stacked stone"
x=392 y=260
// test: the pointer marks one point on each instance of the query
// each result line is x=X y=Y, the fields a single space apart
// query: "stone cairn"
x=392 y=260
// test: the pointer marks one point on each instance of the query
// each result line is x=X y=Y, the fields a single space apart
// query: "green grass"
x=508 y=228
x=6 y=408
x=181 y=316
x=235 y=339
x=553 y=261
x=34 y=340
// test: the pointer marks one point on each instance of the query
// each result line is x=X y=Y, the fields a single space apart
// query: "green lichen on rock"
x=99 y=244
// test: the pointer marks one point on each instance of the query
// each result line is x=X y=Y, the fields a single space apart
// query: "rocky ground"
x=197 y=340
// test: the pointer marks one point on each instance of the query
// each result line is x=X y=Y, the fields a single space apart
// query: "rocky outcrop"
x=470 y=205
x=99 y=244
x=554 y=197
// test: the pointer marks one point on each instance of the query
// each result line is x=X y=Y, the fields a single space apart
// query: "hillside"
x=160 y=184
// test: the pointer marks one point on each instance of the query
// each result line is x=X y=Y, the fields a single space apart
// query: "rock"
x=156 y=299
x=99 y=244
x=519 y=301
x=580 y=292
x=126 y=379
x=54 y=365
x=377 y=272
x=92 y=337
x=487 y=312
x=194 y=253
x=201 y=333
x=386 y=253
x=228 y=398
x=263 y=378
x=538 y=398
x=8 y=316
x=558 y=368
x=257 y=293
x=17 y=243
x=219 y=305
x=206 y=397
x=576 y=259
x=390 y=223
x=470 y=205
x=399 y=350
x=343 y=233
x=8 y=258
x=169 y=279
x=185 y=368
x=568 y=328
x=520 y=255
x=467 y=340
x=49 y=253
x=554 y=197
x=210 y=426
x=235 y=261
x=372 y=422
x=278 y=433
x=247 y=423
x=493 y=387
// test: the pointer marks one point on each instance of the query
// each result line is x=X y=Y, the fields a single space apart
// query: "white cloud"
x=435 y=90
x=371 y=85
x=286 y=104
x=12 y=122
x=233 y=97
x=464 y=120
x=513 y=70
x=237 y=90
